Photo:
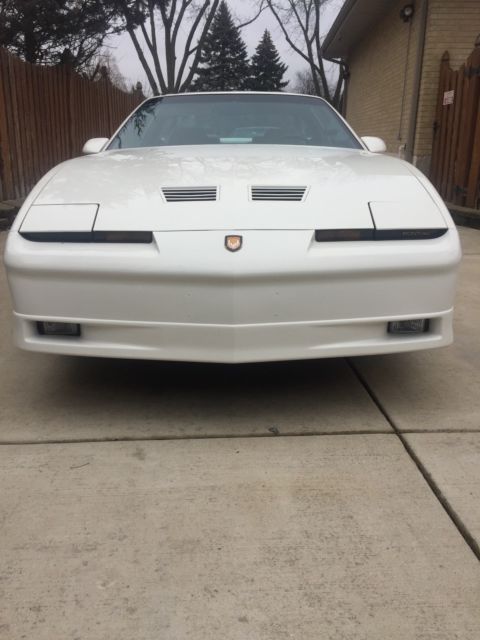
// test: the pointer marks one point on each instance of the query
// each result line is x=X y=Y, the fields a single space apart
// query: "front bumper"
x=234 y=344
x=283 y=296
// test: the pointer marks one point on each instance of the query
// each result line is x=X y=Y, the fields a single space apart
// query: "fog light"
x=58 y=329
x=408 y=326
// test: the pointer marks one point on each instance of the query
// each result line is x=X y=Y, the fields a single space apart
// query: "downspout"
x=346 y=80
x=417 y=82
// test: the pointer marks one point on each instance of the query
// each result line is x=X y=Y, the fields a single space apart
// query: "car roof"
x=241 y=93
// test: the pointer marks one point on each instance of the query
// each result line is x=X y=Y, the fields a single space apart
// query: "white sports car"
x=233 y=227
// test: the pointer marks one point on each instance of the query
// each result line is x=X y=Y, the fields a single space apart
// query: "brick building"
x=393 y=50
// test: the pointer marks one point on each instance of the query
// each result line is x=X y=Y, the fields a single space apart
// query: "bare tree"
x=168 y=36
x=173 y=32
x=104 y=65
x=300 y=23
x=304 y=83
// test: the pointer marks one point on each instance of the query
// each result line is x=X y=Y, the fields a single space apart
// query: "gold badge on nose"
x=233 y=243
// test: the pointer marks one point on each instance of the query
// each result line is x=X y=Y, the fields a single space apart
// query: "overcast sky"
x=131 y=68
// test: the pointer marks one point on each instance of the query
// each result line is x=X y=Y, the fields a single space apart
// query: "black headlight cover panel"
x=356 y=235
x=103 y=237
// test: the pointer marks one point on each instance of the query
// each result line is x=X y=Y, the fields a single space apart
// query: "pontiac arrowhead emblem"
x=233 y=243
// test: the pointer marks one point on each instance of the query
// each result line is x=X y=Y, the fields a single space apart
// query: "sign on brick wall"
x=448 y=98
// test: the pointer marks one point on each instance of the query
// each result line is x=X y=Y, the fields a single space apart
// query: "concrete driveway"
x=330 y=500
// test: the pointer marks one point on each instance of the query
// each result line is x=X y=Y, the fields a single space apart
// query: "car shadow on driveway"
x=67 y=398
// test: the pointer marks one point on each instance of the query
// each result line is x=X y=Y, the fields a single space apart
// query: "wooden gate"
x=456 y=148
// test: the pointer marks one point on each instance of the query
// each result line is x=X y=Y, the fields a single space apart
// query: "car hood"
x=341 y=185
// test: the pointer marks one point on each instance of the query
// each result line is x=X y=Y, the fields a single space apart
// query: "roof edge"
x=351 y=24
x=339 y=20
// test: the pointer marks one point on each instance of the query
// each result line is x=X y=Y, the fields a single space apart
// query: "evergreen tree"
x=223 y=62
x=266 y=68
x=52 y=32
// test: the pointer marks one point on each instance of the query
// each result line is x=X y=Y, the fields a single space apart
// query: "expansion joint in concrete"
x=452 y=514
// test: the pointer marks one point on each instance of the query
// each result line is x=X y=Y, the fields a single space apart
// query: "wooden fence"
x=456 y=148
x=46 y=115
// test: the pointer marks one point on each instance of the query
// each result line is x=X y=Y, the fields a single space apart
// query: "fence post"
x=6 y=178
x=107 y=83
x=473 y=186
x=71 y=109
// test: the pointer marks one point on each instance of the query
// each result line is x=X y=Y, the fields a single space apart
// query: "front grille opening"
x=190 y=194
x=278 y=194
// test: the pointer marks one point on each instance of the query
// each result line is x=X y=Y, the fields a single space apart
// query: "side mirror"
x=94 y=145
x=375 y=145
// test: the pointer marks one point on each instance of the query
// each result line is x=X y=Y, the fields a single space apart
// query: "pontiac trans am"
x=233 y=227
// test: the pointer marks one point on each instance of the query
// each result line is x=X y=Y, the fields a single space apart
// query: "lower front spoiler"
x=234 y=343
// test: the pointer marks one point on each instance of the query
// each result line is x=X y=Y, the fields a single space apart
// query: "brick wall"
x=378 y=68
x=377 y=64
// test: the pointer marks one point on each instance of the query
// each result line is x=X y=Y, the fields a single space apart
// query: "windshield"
x=234 y=119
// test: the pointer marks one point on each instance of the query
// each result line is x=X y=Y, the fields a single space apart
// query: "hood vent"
x=190 y=194
x=279 y=194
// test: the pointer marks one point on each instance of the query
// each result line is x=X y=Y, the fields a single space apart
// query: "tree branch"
x=318 y=44
x=262 y=7
x=285 y=32
x=183 y=86
x=179 y=20
x=143 y=60
x=306 y=16
x=154 y=54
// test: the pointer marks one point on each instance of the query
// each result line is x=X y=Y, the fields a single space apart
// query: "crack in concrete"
x=150 y=438
x=238 y=436
x=444 y=430
x=450 y=511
